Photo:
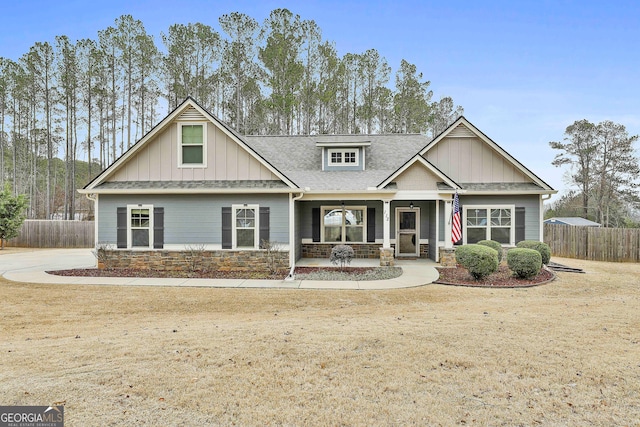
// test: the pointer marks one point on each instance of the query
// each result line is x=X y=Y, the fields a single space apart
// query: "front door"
x=407 y=232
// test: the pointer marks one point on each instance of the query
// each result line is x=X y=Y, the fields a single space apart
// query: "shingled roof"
x=300 y=159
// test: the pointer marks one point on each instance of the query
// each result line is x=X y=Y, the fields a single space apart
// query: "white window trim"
x=234 y=235
x=129 y=228
x=343 y=232
x=204 y=145
x=512 y=231
x=343 y=151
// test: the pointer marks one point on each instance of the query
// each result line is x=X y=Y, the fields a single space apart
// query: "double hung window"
x=343 y=224
x=140 y=226
x=192 y=148
x=489 y=223
x=245 y=226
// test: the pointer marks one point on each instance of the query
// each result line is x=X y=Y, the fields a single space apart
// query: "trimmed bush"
x=480 y=261
x=525 y=263
x=543 y=248
x=341 y=254
x=493 y=245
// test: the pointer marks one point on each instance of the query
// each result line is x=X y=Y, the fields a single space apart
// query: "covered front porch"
x=407 y=226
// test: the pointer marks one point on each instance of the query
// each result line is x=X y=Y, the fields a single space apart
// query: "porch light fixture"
x=411 y=205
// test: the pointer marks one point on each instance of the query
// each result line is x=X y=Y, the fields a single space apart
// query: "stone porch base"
x=361 y=250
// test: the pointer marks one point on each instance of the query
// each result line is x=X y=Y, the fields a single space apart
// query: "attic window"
x=343 y=157
x=192 y=149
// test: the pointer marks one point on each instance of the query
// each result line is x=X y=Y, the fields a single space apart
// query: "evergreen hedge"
x=479 y=260
x=543 y=248
x=493 y=245
x=525 y=263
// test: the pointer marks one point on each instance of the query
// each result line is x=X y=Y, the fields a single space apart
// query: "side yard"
x=565 y=353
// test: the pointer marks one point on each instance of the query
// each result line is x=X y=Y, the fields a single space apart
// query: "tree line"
x=89 y=100
x=603 y=171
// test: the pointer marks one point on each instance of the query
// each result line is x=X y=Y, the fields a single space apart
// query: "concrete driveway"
x=30 y=266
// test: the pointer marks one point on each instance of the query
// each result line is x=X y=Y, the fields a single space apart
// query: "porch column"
x=386 y=217
x=448 y=212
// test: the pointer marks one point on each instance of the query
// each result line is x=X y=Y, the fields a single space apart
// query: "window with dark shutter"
x=158 y=228
x=315 y=224
x=121 y=233
x=264 y=225
x=520 y=228
x=227 y=228
x=371 y=224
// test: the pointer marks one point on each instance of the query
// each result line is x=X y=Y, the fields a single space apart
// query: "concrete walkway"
x=31 y=267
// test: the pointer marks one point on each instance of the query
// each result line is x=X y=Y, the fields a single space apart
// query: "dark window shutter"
x=519 y=224
x=227 y=228
x=315 y=224
x=158 y=228
x=371 y=224
x=264 y=225
x=121 y=234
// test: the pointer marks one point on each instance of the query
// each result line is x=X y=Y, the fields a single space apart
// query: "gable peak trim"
x=191 y=114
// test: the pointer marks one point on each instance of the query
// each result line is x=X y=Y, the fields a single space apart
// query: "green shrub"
x=341 y=254
x=493 y=245
x=525 y=263
x=543 y=248
x=479 y=260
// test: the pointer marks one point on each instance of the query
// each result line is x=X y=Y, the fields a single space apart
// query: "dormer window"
x=192 y=147
x=343 y=157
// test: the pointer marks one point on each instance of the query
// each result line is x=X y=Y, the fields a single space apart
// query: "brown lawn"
x=565 y=353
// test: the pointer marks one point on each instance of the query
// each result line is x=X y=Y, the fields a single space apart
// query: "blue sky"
x=522 y=70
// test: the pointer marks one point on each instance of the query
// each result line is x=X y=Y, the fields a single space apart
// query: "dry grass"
x=566 y=353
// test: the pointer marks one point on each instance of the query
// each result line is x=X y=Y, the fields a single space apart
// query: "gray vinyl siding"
x=298 y=236
x=193 y=219
x=433 y=241
x=425 y=216
x=531 y=203
x=443 y=221
x=304 y=210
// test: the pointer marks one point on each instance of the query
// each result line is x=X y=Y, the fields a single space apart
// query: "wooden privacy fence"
x=37 y=233
x=593 y=243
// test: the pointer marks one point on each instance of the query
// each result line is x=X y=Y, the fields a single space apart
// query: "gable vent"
x=191 y=114
x=461 y=131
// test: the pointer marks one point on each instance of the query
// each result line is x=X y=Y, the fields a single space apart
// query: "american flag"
x=456 y=230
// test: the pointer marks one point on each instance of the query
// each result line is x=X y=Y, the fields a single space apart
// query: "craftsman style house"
x=193 y=182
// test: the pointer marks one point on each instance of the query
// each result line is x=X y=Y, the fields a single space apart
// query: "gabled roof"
x=297 y=162
x=470 y=127
x=300 y=158
x=189 y=102
x=450 y=184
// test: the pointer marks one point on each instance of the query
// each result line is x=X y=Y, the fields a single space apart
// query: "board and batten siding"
x=417 y=177
x=194 y=219
x=469 y=159
x=226 y=160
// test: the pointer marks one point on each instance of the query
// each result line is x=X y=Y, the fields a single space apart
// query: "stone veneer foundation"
x=448 y=257
x=227 y=260
x=371 y=250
